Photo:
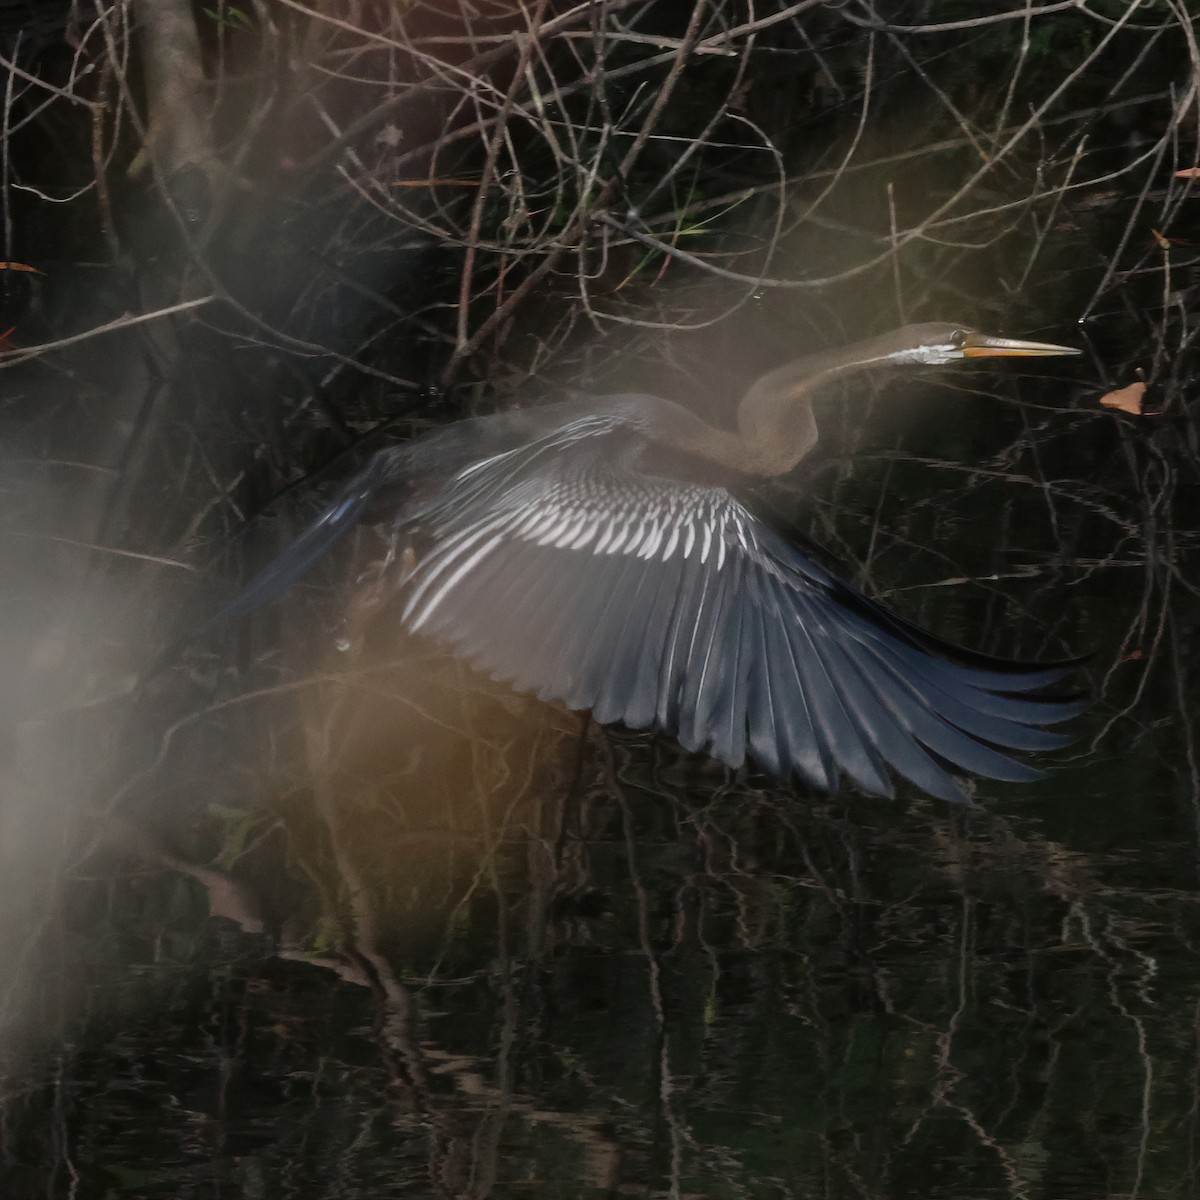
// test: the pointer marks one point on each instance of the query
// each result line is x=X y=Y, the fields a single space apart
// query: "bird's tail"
x=299 y=558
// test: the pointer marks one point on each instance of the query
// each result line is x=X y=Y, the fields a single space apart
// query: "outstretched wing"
x=458 y=450
x=667 y=605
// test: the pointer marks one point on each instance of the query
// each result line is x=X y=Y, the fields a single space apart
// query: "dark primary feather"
x=562 y=567
x=299 y=558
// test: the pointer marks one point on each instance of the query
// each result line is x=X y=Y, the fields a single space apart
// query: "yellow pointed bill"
x=980 y=345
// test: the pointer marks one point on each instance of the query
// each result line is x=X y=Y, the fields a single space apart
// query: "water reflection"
x=595 y=967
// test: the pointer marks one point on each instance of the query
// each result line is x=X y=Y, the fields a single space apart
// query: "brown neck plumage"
x=776 y=427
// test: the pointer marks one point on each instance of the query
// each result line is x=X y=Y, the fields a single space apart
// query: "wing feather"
x=669 y=606
x=839 y=726
x=618 y=668
x=715 y=685
x=809 y=753
x=657 y=621
x=595 y=640
x=768 y=722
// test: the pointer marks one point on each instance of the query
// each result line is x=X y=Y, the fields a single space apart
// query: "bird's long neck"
x=776 y=427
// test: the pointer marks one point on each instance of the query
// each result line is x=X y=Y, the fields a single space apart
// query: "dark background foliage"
x=303 y=908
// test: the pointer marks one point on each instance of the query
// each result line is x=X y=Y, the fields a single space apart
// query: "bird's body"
x=597 y=552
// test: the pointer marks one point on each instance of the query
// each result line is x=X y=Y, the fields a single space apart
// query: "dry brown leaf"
x=1127 y=399
x=1165 y=243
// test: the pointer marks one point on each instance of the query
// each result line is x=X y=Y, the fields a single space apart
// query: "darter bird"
x=598 y=552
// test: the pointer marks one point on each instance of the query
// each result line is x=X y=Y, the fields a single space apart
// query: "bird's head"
x=938 y=343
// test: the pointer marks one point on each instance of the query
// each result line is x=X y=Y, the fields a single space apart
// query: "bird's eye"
x=958 y=339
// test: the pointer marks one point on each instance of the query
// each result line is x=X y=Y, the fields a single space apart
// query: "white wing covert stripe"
x=668 y=605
